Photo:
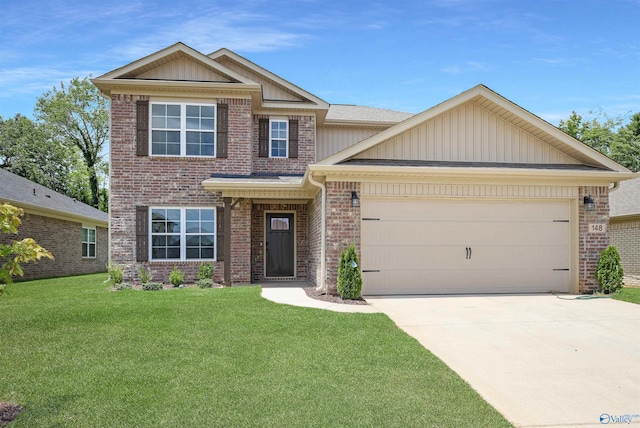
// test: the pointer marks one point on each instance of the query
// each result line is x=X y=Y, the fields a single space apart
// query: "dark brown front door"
x=279 y=245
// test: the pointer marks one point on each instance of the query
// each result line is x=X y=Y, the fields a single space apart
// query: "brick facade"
x=314 y=239
x=168 y=181
x=63 y=239
x=625 y=236
x=591 y=244
x=343 y=225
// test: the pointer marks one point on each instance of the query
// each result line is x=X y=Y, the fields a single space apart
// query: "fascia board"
x=374 y=173
x=61 y=215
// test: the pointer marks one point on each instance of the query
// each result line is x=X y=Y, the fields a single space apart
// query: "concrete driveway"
x=539 y=360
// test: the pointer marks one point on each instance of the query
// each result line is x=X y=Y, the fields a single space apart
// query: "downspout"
x=615 y=186
x=323 y=233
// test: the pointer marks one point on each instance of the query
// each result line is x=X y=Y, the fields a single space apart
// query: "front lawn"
x=75 y=354
x=631 y=295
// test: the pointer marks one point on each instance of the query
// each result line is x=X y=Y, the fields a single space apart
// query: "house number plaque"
x=597 y=227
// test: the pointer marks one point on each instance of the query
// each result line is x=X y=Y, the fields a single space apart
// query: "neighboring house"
x=624 y=226
x=214 y=158
x=75 y=233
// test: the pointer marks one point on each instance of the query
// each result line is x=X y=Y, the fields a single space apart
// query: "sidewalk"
x=297 y=297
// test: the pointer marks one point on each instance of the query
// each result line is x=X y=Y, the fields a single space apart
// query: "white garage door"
x=414 y=246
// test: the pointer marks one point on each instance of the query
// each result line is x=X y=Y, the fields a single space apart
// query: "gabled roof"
x=503 y=108
x=625 y=201
x=168 y=54
x=246 y=67
x=26 y=194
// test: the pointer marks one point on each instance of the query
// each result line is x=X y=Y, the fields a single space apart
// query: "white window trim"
x=183 y=127
x=95 y=243
x=286 y=121
x=183 y=233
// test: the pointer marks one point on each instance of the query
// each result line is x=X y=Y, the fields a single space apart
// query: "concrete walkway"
x=297 y=297
x=539 y=360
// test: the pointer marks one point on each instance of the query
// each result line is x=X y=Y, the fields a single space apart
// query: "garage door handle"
x=469 y=252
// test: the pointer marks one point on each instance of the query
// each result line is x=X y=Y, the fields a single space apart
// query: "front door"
x=279 y=245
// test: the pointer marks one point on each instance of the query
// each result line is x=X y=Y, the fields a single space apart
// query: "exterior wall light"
x=589 y=205
x=355 y=200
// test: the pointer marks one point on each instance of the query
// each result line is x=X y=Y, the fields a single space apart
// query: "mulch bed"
x=332 y=297
x=8 y=412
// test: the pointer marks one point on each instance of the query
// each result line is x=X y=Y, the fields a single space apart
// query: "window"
x=183 y=233
x=88 y=243
x=278 y=138
x=180 y=129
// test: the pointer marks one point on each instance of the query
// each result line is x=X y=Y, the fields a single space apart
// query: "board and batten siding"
x=469 y=190
x=183 y=69
x=332 y=139
x=468 y=133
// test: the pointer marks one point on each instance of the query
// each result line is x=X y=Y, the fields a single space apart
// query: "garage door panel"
x=420 y=257
x=422 y=246
x=466 y=233
x=447 y=281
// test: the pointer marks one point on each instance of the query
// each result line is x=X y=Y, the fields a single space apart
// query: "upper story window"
x=278 y=138
x=88 y=242
x=183 y=129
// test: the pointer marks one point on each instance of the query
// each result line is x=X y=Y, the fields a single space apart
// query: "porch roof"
x=265 y=186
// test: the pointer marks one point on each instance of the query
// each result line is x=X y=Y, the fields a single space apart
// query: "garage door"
x=414 y=246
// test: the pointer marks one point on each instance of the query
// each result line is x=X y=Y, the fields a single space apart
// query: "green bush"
x=205 y=283
x=122 y=286
x=205 y=271
x=349 y=276
x=115 y=272
x=144 y=275
x=152 y=286
x=176 y=277
x=609 y=271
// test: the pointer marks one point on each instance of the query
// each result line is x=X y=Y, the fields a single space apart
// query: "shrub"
x=144 y=275
x=115 y=272
x=205 y=283
x=122 y=286
x=205 y=271
x=176 y=277
x=609 y=272
x=152 y=286
x=349 y=276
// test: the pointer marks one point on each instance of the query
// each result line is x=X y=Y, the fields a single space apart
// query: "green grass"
x=75 y=354
x=631 y=295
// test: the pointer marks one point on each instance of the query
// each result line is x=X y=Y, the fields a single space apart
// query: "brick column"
x=591 y=244
x=241 y=243
x=343 y=225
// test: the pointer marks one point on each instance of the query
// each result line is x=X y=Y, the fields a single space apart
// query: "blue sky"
x=550 y=57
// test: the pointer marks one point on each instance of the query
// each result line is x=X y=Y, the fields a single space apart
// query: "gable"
x=468 y=133
x=271 y=91
x=184 y=68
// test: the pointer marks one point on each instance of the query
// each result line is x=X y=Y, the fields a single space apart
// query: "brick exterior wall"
x=169 y=181
x=258 y=236
x=343 y=225
x=241 y=243
x=591 y=244
x=63 y=239
x=306 y=149
x=314 y=239
x=625 y=236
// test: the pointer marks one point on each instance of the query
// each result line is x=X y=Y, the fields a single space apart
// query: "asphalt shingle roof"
x=626 y=199
x=21 y=192
x=346 y=112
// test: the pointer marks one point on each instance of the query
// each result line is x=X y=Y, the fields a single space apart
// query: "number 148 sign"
x=597 y=227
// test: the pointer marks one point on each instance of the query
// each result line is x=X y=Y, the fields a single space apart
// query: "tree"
x=26 y=151
x=608 y=135
x=17 y=252
x=77 y=116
